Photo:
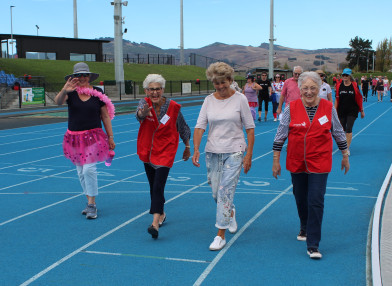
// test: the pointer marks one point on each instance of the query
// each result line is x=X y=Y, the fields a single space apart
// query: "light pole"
x=75 y=18
x=181 y=34
x=118 y=45
x=12 y=35
x=37 y=29
x=271 y=41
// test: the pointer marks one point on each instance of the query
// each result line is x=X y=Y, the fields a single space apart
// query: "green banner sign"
x=33 y=95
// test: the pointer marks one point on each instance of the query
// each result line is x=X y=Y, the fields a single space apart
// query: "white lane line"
x=72 y=254
x=37 y=210
x=217 y=258
x=145 y=256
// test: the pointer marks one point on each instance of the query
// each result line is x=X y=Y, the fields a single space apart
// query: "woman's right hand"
x=145 y=111
x=195 y=158
x=71 y=84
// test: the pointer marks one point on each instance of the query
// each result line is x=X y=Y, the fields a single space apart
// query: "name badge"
x=323 y=120
x=165 y=119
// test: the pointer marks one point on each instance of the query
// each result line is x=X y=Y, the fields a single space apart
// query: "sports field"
x=45 y=240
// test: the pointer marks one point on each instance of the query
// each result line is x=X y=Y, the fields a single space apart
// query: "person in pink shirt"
x=290 y=90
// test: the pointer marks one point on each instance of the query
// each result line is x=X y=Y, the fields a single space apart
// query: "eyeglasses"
x=154 y=89
x=263 y=75
x=81 y=74
x=277 y=77
x=312 y=89
x=345 y=75
x=297 y=73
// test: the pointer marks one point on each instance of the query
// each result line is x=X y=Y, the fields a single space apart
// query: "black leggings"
x=157 y=179
x=347 y=122
x=266 y=100
x=365 y=93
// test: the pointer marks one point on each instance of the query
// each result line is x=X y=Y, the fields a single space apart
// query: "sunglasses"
x=263 y=75
x=77 y=75
x=297 y=73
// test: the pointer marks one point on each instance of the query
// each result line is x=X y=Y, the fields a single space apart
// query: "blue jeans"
x=309 y=191
x=88 y=179
x=223 y=172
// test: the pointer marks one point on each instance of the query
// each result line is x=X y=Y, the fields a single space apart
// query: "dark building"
x=51 y=48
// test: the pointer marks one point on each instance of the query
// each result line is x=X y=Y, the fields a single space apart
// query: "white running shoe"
x=218 y=243
x=233 y=223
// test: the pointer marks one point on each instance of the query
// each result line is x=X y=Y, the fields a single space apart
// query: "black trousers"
x=157 y=179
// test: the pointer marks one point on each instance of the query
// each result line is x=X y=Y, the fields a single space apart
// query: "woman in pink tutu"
x=85 y=143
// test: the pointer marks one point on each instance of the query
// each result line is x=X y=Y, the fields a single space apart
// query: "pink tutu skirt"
x=86 y=147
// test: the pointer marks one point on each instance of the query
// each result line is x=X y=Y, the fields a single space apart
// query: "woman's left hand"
x=247 y=162
x=345 y=164
x=362 y=114
x=112 y=145
x=186 y=154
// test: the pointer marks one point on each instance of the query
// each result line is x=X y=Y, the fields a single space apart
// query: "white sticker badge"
x=165 y=119
x=323 y=120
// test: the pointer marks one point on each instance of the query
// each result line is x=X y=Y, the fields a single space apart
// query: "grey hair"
x=309 y=75
x=154 y=78
x=220 y=71
x=298 y=67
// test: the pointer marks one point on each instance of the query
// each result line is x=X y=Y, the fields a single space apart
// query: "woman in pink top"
x=250 y=90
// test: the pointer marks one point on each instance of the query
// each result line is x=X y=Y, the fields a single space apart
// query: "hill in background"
x=247 y=56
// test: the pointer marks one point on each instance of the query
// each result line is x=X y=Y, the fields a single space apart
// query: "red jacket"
x=358 y=95
x=310 y=145
x=157 y=142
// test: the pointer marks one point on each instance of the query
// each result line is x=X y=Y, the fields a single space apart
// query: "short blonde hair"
x=219 y=71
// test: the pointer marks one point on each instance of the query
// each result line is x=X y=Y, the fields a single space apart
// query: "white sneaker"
x=275 y=119
x=218 y=243
x=233 y=223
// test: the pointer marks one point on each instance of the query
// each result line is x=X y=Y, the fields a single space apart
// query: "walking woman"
x=226 y=113
x=348 y=103
x=85 y=143
x=250 y=90
x=309 y=124
x=277 y=87
x=161 y=125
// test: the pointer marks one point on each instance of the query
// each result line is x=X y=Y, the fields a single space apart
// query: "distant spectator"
x=325 y=89
x=290 y=90
x=250 y=90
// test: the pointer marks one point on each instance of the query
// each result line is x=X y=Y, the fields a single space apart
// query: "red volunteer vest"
x=310 y=145
x=157 y=142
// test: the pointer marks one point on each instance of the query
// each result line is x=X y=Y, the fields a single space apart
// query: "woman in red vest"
x=309 y=123
x=161 y=124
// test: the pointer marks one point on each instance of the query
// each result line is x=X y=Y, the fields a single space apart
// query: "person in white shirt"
x=227 y=113
x=325 y=89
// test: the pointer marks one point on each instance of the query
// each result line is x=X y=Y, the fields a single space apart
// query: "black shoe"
x=259 y=119
x=153 y=231
x=302 y=235
x=265 y=118
x=161 y=223
x=314 y=253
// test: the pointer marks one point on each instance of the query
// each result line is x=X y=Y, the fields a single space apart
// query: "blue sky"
x=305 y=24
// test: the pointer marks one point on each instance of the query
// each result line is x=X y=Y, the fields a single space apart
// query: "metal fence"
x=10 y=98
x=155 y=59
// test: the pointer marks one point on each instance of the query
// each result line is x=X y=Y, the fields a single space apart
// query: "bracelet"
x=110 y=136
x=187 y=146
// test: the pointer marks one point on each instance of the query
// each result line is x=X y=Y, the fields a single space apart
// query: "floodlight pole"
x=75 y=18
x=118 y=45
x=181 y=33
x=12 y=35
x=271 y=41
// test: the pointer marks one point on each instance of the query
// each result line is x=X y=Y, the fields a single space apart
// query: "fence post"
x=171 y=89
x=181 y=86
x=199 y=86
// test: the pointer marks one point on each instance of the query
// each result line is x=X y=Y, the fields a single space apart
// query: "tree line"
x=361 y=56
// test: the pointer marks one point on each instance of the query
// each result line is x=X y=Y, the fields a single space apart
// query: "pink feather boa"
x=102 y=97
